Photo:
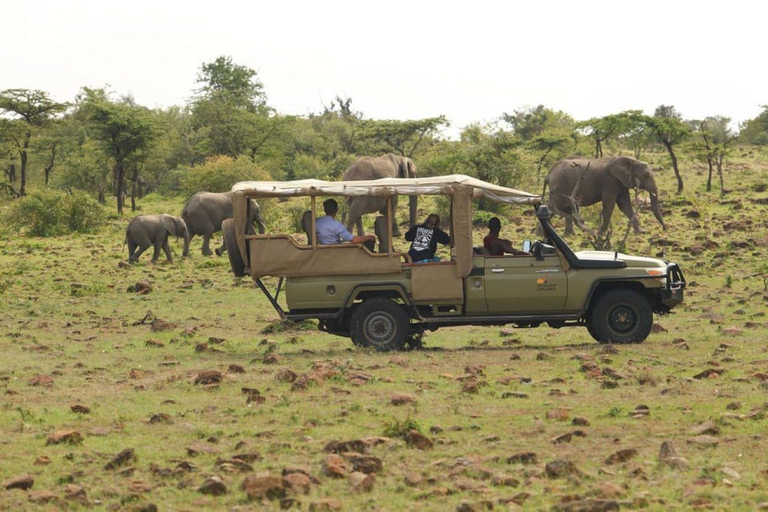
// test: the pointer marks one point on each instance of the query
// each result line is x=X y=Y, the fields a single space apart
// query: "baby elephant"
x=146 y=230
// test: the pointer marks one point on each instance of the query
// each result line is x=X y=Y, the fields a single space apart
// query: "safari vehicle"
x=383 y=300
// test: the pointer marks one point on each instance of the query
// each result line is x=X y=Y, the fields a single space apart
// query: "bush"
x=218 y=174
x=53 y=212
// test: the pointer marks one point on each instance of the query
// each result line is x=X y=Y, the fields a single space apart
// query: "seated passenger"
x=424 y=239
x=498 y=246
x=330 y=231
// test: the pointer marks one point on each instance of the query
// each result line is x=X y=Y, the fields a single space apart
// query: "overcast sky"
x=470 y=61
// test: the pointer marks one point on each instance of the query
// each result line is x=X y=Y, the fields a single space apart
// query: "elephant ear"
x=621 y=169
x=169 y=224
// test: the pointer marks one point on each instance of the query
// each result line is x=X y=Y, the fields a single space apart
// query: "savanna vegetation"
x=174 y=387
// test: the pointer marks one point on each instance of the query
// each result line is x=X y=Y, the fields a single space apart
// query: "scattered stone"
x=621 y=456
x=580 y=421
x=706 y=428
x=161 y=418
x=588 y=505
x=541 y=356
x=514 y=394
x=42 y=460
x=609 y=384
x=160 y=325
x=731 y=473
x=402 y=399
x=80 y=409
x=522 y=458
x=121 y=459
x=413 y=479
x=563 y=438
x=208 y=377
x=196 y=449
x=65 y=436
x=415 y=439
x=640 y=411
x=269 y=487
x=299 y=483
x=42 y=497
x=154 y=343
x=366 y=464
x=286 y=376
x=141 y=287
x=271 y=359
x=213 y=340
x=561 y=468
x=73 y=492
x=474 y=369
x=44 y=381
x=334 y=466
x=559 y=414
x=361 y=481
x=235 y=368
x=704 y=440
x=213 y=486
x=732 y=331
x=734 y=406
x=324 y=505
x=657 y=328
x=20 y=482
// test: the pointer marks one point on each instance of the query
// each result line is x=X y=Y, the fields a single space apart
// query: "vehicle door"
x=523 y=284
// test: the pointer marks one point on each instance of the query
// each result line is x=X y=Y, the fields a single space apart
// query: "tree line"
x=105 y=144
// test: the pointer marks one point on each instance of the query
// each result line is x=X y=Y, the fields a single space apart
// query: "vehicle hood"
x=631 y=261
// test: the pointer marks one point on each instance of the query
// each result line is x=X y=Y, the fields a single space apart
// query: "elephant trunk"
x=657 y=210
x=412 y=203
x=185 y=254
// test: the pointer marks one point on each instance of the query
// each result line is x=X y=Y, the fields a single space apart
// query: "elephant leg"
x=157 y=248
x=608 y=205
x=359 y=224
x=141 y=250
x=167 y=250
x=395 y=227
x=222 y=249
x=568 y=225
x=131 y=249
x=624 y=202
x=206 y=245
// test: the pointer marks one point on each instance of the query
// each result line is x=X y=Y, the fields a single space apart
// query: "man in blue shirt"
x=330 y=231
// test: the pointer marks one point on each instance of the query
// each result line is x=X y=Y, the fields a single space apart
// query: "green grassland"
x=73 y=334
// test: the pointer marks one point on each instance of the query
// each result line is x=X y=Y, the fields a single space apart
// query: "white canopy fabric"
x=436 y=185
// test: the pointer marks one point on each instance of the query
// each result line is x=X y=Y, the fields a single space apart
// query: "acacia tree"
x=402 y=137
x=125 y=130
x=600 y=129
x=668 y=128
x=26 y=111
x=715 y=138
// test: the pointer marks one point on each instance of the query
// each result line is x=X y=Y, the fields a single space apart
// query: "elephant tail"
x=544 y=190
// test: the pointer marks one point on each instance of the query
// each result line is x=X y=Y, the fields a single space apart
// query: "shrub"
x=53 y=212
x=218 y=174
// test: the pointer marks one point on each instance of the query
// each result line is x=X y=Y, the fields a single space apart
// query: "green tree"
x=670 y=130
x=713 y=144
x=755 y=131
x=27 y=111
x=533 y=122
x=600 y=129
x=125 y=130
x=402 y=137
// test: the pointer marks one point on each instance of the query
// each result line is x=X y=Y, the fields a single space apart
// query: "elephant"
x=600 y=179
x=205 y=211
x=146 y=230
x=374 y=168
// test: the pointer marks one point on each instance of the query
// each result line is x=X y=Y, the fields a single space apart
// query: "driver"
x=498 y=246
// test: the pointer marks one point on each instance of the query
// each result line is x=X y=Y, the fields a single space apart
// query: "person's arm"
x=442 y=237
x=342 y=234
x=411 y=234
x=362 y=239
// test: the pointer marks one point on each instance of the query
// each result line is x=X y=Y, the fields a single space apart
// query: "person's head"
x=433 y=220
x=494 y=225
x=330 y=206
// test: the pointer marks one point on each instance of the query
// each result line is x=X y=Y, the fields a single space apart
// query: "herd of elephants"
x=572 y=181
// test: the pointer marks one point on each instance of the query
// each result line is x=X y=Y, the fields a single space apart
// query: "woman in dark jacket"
x=424 y=239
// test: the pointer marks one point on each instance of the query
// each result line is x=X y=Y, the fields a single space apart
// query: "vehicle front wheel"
x=381 y=324
x=621 y=316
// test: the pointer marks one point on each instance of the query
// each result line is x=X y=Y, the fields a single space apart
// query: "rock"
x=588 y=505
x=121 y=459
x=160 y=325
x=367 y=464
x=208 y=377
x=271 y=359
x=196 y=449
x=561 y=468
x=416 y=439
x=732 y=331
x=361 y=481
x=706 y=428
x=731 y=473
x=286 y=376
x=523 y=458
x=213 y=486
x=402 y=399
x=413 y=479
x=504 y=481
x=161 y=418
x=581 y=422
x=621 y=456
x=73 y=492
x=42 y=460
x=65 y=436
x=657 y=328
x=559 y=414
x=474 y=369
x=154 y=343
x=334 y=466
x=42 y=497
x=80 y=409
x=299 y=483
x=734 y=406
x=20 y=482
x=324 y=505
x=563 y=438
x=514 y=394
x=44 y=381
x=704 y=440
x=269 y=487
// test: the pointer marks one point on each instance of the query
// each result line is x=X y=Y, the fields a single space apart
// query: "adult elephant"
x=374 y=168
x=153 y=230
x=606 y=180
x=205 y=211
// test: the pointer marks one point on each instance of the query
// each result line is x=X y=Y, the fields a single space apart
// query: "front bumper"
x=672 y=293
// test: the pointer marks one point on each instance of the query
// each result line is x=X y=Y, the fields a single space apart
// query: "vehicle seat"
x=306 y=226
x=380 y=229
x=481 y=251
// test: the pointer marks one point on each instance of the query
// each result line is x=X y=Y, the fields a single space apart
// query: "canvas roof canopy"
x=435 y=185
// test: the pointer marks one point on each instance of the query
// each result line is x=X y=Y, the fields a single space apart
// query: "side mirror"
x=527 y=246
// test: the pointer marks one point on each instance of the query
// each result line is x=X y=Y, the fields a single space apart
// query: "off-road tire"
x=380 y=324
x=621 y=316
x=236 y=262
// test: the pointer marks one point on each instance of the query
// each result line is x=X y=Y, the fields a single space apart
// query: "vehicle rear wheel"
x=236 y=262
x=381 y=324
x=621 y=316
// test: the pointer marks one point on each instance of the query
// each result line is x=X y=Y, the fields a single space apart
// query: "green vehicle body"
x=613 y=295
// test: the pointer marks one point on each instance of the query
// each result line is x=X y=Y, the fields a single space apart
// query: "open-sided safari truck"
x=383 y=300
